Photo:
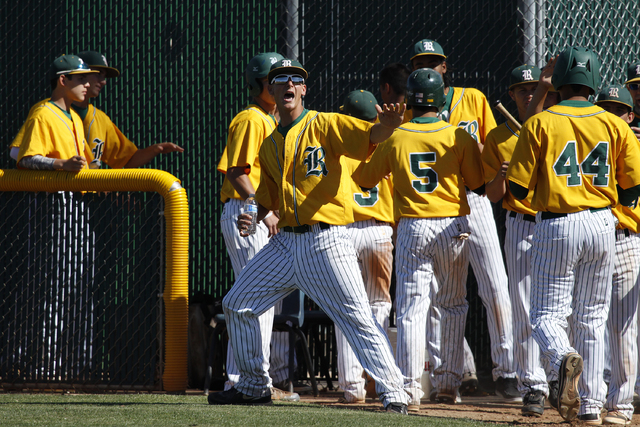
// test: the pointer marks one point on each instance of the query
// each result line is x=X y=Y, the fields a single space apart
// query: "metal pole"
x=541 y=29
x=292 y=24
x=527 y=24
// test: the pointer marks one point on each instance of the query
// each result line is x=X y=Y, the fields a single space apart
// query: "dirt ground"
x=488 y=408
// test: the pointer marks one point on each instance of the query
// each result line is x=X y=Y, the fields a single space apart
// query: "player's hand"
x=74 y=164
x=547 y=72
x=391 y=115
x=272 y=224
x=244 y=221
x=503 y=169
x=636 y=131
x=168 y=147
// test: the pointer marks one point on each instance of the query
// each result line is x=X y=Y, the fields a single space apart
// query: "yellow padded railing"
x=176 y=211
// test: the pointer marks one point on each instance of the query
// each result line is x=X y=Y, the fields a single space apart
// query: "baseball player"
x=468 y=108
x=622 y=325
x=520 y=220
x=241 y=167
x=545 y=95
x=104 y=141
x=633 y=80
x=578 y=160
x=431 y=161
x=371 y=233
x=302 y=177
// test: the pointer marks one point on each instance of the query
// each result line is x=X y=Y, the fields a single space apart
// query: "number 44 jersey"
x=431 y=162
x=573 y=155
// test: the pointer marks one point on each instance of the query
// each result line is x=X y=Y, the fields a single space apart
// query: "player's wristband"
x=267 y=215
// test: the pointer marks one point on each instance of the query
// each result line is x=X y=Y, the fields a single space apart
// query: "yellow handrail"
x=176 y=292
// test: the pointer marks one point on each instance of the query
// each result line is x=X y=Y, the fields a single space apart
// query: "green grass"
x=189 y=411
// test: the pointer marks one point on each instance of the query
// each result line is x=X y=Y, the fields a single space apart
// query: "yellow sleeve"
x=470 y=161
x=491 y=157
x=369 y=174
x=523 y=164
x=349 y=136
x=628 y=161
x=243 y=144
x=118 y=149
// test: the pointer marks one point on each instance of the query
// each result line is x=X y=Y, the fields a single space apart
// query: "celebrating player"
x=105 y=142
x=520 y=220
x=622 y=324
x=468 y=108
x=240 y=164
x=573 y=156
x=633 y=85
x=371 y=233
x=431 y=161
x=302 y=176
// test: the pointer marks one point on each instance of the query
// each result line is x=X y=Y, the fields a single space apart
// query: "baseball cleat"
x=398 y=408
x=351 y=400
x=568 y=396
x=469 y=384
x=284 y=396
x=447 y=396
x=590 y=419
x=533 y=404
x=235 y=397
x=507 y=388
x=553 y=394
x=616 y=418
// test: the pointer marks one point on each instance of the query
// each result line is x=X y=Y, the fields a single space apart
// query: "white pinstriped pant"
x=374 y=249
x=571 y=272
x=527 y=360
x=241 y=250
x=428 y=247
x=486 y=260
x=622 y=323
x=322 y=264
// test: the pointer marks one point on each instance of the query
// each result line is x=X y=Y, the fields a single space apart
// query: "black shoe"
x=469 y=384
x=568 y=396
x=398 y=408
x=590 y=419
x=533 y=404
x=234 y=397
x=507 y=388
x=553 y=394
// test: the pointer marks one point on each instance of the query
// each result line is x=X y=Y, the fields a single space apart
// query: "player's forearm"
x=40 y=163
x=142 y=157
x=240 y=182
x=496 y=189
x=380 y=133
x=535 y=106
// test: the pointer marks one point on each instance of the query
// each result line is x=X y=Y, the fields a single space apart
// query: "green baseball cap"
x=427 y=47
x=97 y=61
x=360 y=104
x=615 y=93
x=524 y=74
x=633 y=73
x=68 y=64
x=287 y=66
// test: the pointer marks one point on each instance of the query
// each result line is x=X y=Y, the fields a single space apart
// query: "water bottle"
x=251 y=208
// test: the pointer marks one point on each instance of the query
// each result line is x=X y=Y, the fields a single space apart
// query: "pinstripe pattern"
x=571 y=272
x=526 y=352
x=323 y=264
x=241 y=250
x=427 y=247
x=622 y=324
x=486 y=260
x=374 y=247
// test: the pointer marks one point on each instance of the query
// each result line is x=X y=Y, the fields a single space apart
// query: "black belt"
x=526 y=217
x=304 y=228
x=552 y=215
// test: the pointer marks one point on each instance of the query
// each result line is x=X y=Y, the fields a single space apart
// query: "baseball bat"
x=498 y=106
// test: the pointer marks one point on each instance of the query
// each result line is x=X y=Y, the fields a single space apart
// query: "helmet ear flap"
x=255 y=87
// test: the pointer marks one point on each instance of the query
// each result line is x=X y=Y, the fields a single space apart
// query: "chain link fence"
x=182 y=66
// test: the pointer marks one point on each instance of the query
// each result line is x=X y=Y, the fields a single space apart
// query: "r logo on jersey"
x=613 y=92
x=526 y=75
x=428 y=46
x=315 y=161
x=471 y=128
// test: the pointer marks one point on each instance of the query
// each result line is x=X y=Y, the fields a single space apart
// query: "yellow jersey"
x=302 y=175
x=431 y=162
x=246 y=132
x=50 y=132
x=377 y=203
x=498 y=148
x=573 y=155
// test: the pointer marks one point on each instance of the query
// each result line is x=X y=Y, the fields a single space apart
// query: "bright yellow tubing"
x=176 y=212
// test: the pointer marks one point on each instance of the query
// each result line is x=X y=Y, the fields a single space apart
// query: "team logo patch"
x=613 y=92
x=273 y=60
x=314 y=160
x=638 y=70
x=286 y=63
x=526 y=75
x=581 y=64
x=428 y=46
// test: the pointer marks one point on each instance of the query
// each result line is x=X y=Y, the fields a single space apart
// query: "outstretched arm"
x=389 y=117
x=145 y=155
x=540 y=94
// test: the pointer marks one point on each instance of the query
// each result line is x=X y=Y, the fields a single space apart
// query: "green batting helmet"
x=258 y=68
x=577 y=66
x=425 y=88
